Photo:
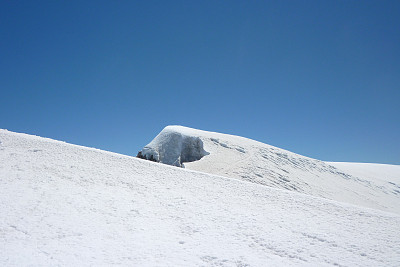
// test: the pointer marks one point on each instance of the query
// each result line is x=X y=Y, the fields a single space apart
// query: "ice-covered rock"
x=173 y=146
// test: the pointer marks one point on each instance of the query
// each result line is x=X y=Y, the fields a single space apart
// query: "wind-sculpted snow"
x=173 y=148
x=66 y=205
x=249 y=160
x=386 y=177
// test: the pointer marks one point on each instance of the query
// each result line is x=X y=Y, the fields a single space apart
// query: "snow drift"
x=67 y=205
x=245 y=159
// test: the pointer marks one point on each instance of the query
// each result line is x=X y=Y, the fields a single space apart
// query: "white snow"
x=249 y=160
x=384 y=176
x=68 y=205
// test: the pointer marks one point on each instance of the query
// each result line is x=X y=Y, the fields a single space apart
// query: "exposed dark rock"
x=141 y=156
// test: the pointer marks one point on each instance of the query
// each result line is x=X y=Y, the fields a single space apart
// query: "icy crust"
x=174 y=147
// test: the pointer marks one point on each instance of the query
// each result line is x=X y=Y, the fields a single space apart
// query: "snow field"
x=63 y=204
x=249 y=160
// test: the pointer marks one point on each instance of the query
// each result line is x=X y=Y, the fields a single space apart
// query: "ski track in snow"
x=63 y=204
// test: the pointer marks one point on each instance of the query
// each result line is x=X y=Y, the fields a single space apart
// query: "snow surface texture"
x=174 y=148
x=66 y=205
x=241 y=158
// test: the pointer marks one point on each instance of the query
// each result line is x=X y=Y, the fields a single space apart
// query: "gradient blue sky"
x=319 y=78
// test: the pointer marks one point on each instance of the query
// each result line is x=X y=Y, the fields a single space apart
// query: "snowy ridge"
x=63 y=204
x=249 y=160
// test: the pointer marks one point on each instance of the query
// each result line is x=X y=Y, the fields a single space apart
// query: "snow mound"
x=174 y=147
x=245 y=159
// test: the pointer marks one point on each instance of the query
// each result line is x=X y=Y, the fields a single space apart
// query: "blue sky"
x=319 y=78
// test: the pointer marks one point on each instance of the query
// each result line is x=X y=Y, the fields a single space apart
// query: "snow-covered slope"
x=387 y=176
x=249 y=160
x=66 y=205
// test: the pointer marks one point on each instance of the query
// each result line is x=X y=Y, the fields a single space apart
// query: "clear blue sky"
x=319 y=78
